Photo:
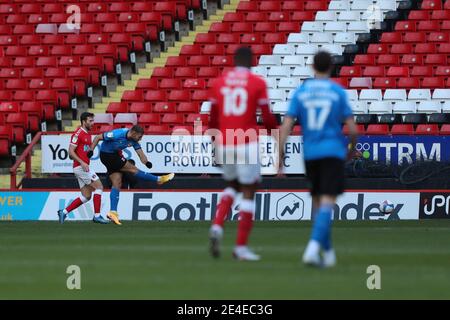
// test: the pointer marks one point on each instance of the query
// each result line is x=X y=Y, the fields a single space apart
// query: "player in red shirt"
x=236 y=97
x=80 y=152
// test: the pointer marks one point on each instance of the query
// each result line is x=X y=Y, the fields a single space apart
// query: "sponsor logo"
x=290 y=207
x=434 y=205
x=364 y=211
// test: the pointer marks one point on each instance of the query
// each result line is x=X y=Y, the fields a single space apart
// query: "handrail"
x=25 y=156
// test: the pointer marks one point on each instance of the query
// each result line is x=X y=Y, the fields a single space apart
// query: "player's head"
x=136 y=132
x=323 y=64
x=87 y=120
x=243 y=57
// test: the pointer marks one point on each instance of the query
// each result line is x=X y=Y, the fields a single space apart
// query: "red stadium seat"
x=444 y=48
x=428 y=25
x=425 y=48
x=398 y=72
x=172 y=118
x=188 y=107
x=364 y=60
x=414 y=37
x=412 y=59
x=158 y=129
x=199 y=61
x=442 y=71
x=192 y=118
x=422 y=71
x=445 y=130
x=391 y=37
x=419 y=15
x=179 y=95
x=194 y=84
x=377 y=129
x=151 y=83
x=213 y=49
x=433 y=82
x=170 y=84
x=384 y=83
x=405 y=26
x=378 y=48
x=374 y=71
x=155 y=95
x=164 y=107
x=117 y=107
x=402 y=129
x=442 y=37
x=133 y=95
x=163 y=72
x=186 y=72
x=192 y=49
x=388 y=59
x=274 y=38
x=401 y=48
x=436 y=59
x=141 y=107
x=431 y=5
x=220 y=27
x=351 y=71
x=149 y=118
x=408 y=83
x=427 y=129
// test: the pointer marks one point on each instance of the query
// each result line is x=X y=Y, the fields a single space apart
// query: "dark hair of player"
x=137 y=129
x=85 y=115
x=323 y=62
x=243 y=57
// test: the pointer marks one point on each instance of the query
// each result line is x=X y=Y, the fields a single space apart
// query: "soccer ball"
x=386 y=207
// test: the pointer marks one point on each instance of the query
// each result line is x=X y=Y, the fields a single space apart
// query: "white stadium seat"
x=303 y=72
x=358 y=26
x=307 y=50
x=279 y=72
x=280 y=107
x=320 y=37
x=271 y=82
x=446 y=106
x=349 y=16
x=441 y=94
x=345 y=37
x=312 y=26
x=277 y=95
x=370 y=95
x=419 y=94
x=352 y=94
x=429 y=107
x=380 y=107
x=335 y=26
x=395 y=95
x=289 y=83
x=206 y=107
x=361 y=5
x=104 y=118
x=309 y=61
x=404 y=107
x=387 y=5
x=262 y=71
x=126 y=118
x=298 y=38
x=359 y=107
x=339 y=5
x=334 y=49
x=267 y=60
x=325 y=16
x=284 y=49
x=293 y=61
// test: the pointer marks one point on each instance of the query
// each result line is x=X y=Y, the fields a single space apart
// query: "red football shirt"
x=81 y=139
x=235 y=99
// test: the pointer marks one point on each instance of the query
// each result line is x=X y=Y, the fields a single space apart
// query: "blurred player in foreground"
x=321 y=106
x=112 y=158
x=79 y=151
x=235 y=99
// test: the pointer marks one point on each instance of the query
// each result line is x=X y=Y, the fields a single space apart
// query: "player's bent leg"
x=62 y=214
x=97 y=188
x=147 y=176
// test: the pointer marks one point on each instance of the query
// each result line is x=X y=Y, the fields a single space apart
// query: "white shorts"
x=84 y=178
x=240 y=163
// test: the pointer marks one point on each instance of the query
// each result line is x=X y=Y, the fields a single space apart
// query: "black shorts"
x=326 y=176
x=112 y=161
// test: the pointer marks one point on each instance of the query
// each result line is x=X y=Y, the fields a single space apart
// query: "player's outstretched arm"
x=143 y=158
x=97 y=139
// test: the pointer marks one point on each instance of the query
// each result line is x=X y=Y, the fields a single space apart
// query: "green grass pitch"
x=170 y=260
